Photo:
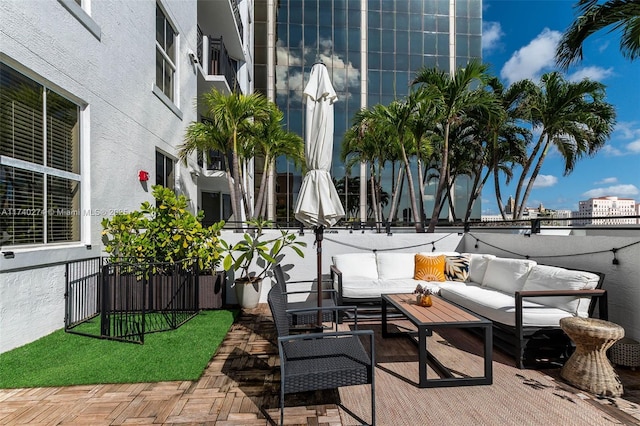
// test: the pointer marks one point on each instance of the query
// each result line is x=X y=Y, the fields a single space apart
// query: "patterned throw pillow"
x=429 y=268
x=456 y=268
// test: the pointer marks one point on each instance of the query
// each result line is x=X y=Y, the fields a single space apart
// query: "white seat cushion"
x=360 y=289
x=542 y=277
x=371 y=289
x=507 y=275
x=395 y=266
x=357 y=266
x=500 y=307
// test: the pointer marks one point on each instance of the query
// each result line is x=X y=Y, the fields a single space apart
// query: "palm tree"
x=507 y=141
x=573 y=117
x=367 y=141
x=232 y=117
x=592 y=17
x=271 y=141
x=421 y=124
x=396 y=118
x=456 y=98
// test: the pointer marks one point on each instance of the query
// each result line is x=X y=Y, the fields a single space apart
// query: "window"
x=81 y=10
x=39 y=163
x=165 y=54
x=164 y=171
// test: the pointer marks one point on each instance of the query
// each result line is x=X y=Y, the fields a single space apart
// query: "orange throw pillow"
x=429 y=268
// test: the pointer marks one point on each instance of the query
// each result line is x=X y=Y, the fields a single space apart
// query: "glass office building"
x=372 y=49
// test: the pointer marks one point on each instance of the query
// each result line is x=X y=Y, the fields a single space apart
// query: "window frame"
x=82 y=12
x=171 y=100
x=165 y=158
x=42 y=168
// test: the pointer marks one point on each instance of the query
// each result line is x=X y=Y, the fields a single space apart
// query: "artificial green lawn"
x=62 y=359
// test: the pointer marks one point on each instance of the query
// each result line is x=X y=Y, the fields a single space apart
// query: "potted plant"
x=423 y=296
x=252 y=257
x=162 y=234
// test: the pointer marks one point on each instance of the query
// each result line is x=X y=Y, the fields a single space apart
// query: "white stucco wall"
x=28 y=312
x=123 y=123
x=337 y=241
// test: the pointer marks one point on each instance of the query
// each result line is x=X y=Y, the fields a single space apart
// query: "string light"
x=433 y=246
x=614 y=250
x=615 y=259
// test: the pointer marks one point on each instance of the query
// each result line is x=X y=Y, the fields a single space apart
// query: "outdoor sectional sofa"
x=524 y=300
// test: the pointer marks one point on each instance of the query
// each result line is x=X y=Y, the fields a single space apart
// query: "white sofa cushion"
x=477 y=266
x=500 y=307
x=360 y=289
x=507 y=275
x=357 y=266
x=542 y=277
x=395 y=266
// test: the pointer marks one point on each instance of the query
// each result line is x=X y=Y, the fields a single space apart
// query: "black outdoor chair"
x=318 y=361
x=304 y=313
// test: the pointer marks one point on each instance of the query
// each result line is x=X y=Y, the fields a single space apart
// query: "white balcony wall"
x=621 y=281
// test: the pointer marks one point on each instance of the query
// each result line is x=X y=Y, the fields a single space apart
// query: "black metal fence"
x=124 y=301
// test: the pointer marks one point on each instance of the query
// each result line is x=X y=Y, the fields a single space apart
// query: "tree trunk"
x=518 y=207
x=412 y=190
x=237 y=178
x=534 y=175
x=442 y=181
x=396 y=194
x=260 y=201
x=374 y=201
x=476 y=190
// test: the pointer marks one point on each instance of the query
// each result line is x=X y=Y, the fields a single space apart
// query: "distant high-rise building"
x=605 y=211
x=372 y=49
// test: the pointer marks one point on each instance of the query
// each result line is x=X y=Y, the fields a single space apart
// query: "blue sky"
x=519 y=41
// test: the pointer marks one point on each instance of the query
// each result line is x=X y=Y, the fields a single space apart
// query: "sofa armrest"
x=330 y=291
x=335 y=309
x=600 y=294
x=337 y=273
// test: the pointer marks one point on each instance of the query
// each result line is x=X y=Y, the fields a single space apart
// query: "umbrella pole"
x=319 y=230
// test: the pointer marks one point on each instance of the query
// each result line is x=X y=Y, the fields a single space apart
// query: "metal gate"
x=125 y=300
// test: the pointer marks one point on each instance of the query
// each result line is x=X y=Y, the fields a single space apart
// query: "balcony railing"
x=220 y=63
x=236 y=13
x=215 y=59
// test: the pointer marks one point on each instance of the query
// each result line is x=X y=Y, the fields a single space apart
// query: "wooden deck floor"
x=239 y=387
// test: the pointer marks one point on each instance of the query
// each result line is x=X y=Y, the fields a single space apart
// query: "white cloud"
x=634 y=147
x=491 y=35
x=545 y=181
x=344 y=73
x=533 y=59
x=628 y=129
x=623 y=191
x=611 y=151
x=603 y=46
x=592 y=73
x=606 y=181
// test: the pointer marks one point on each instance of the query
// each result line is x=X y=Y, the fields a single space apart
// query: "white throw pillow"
x=477 y=266
x=544 y=277
x=507 y=275
x=357 y=266
x=395 y=266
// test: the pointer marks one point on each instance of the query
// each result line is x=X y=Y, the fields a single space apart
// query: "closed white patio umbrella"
x=318 y=204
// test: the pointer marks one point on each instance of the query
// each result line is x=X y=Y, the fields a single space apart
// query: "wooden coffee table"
x=441 y=314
